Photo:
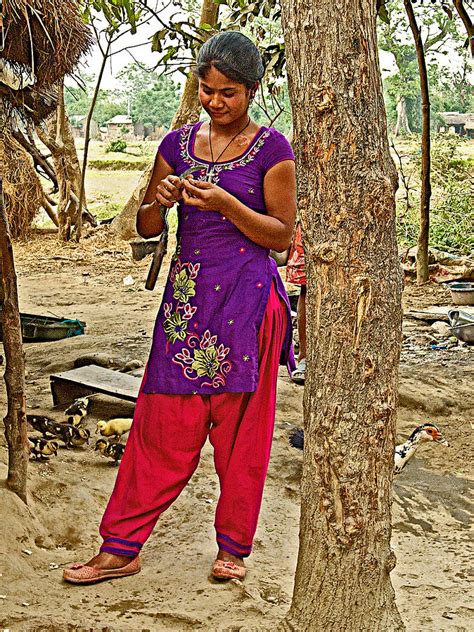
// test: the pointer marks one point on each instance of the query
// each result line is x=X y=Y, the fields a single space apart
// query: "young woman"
x=223 y=325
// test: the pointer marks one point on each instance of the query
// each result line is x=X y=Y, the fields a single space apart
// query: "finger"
x=193 y=190
x=191 y=200
x=162 y=200
x=201 y=184
x=169 y=186
x=175 y=182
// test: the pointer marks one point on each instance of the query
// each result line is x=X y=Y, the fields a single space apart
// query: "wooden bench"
x=86 y=380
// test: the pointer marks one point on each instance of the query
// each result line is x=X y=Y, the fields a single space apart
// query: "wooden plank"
x=90 y=379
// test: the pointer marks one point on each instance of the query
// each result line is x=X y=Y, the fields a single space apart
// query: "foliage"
x=452 y=210
x=109 y=102
x=153 y=98
x=118 y=145
x=441 y=37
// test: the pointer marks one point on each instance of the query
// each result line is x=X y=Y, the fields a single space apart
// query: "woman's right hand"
x=169 y=191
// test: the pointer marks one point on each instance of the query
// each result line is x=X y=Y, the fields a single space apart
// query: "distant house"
x=120 y=126
x=78 y=124
x=461 y=123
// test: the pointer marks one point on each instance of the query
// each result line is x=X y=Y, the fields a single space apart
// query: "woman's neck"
x=230 y=128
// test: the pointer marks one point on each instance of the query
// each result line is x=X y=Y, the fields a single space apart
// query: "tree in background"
x=440 y=36
x=346 y=197
x=152 y=99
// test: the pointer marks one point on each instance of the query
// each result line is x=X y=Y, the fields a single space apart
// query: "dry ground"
x=432 y=511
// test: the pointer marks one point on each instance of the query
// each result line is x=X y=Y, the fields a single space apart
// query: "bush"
x=118 y=145
x=451 y=208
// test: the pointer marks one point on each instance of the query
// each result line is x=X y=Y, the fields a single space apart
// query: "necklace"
x=210 y=172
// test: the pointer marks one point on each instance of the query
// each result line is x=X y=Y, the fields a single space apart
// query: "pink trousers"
x=164 y=446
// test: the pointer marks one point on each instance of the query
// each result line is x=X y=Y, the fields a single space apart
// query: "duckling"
x=113 y=450
x=42 y=449
x=114 y=427
x=76 y=412
x=41 y=424
x=71 y=436
x=81 y=436
x=403 y=452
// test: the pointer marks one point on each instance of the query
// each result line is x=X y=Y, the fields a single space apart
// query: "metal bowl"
x=462 y=292
x=462 y=325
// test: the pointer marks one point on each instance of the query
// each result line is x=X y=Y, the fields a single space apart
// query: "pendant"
x=210 y=174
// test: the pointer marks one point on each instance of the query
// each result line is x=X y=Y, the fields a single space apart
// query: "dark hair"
x=232 y=54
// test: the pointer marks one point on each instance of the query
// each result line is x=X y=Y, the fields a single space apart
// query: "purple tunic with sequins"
x=205 y=339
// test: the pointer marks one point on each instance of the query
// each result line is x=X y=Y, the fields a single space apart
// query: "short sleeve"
x=169 y=148
x=276 y=149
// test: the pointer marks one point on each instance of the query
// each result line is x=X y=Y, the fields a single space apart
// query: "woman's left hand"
x=205 y=196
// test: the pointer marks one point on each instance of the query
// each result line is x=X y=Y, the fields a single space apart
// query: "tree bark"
x=87 y=137
x=58 y=138
x=188 y=112
x=15 y=419
x=189 y=106
x=464 y=15
x=402 y=126
x=346 y=197
x=422 y=273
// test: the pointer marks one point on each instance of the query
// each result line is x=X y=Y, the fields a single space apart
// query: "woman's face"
x=224 y=99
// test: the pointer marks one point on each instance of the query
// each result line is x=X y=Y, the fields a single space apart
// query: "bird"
x=113 y=450
x=76 y=412
x=41 y=423
x=114 y=427
x=421 y=434
x=42 y=449
x=403 y=452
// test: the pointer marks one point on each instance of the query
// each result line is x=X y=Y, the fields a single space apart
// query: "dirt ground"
x=432 y=513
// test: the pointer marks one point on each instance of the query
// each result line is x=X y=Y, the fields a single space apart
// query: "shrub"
x=118 y=145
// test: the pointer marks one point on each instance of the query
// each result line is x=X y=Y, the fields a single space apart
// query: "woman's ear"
x=253 y=90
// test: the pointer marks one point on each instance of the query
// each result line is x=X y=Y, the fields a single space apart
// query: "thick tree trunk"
x=188 y=112
x=423 y=235
x=402 y=126
x=346 y=196
x=15 y=420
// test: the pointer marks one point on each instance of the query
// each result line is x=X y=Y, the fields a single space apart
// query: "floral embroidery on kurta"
x=212 y=173
x=182 y=277
x=202 y=357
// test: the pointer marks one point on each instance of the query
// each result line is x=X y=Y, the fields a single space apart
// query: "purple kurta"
x=205 y=339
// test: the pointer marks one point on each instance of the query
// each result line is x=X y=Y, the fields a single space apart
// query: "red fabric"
x=295 y=270
x=165 y=442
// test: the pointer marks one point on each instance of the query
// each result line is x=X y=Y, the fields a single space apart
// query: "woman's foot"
x=298 y=375
x=102 y=566
x=228 y=566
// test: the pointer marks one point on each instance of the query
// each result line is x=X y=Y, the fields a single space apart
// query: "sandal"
x=82 y=574
x=298 y=375
x=228 y=570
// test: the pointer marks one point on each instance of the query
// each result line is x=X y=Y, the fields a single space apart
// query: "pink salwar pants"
x=165 y=443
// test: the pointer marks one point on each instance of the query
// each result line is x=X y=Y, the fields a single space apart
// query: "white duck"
x=403 y=452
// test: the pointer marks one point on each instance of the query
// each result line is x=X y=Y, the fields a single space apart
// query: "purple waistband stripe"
x=232 y=551
x=131 y=544
x=225 y=538
x=111 y=549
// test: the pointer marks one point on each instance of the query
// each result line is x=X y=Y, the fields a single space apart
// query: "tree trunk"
x=189 y=106
x=188 y=112
x=59 y=139
x=15 y=420
x=464 y=15
x=423 y=235
x=346 y=197
x=402 y=126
